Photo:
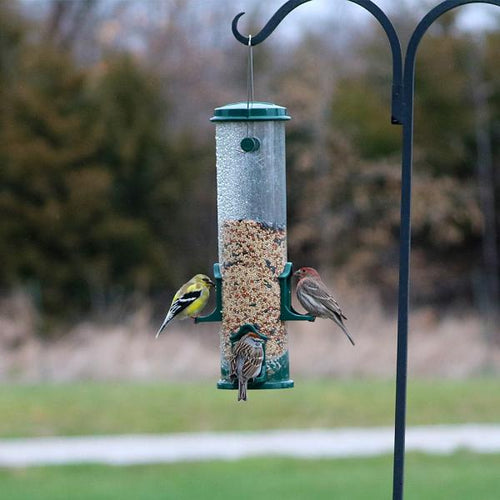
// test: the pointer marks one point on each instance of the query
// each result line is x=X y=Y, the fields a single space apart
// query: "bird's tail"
x=166 y=321
x=242 y=390
x=344 y=329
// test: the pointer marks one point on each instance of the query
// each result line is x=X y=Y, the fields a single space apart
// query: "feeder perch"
x=288 y=313
x=216 y=314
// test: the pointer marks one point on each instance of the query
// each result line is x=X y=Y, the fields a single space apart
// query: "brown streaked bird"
x=316 y=298
x=246 y=361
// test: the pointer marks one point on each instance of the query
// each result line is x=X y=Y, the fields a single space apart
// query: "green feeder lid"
x=253 y=111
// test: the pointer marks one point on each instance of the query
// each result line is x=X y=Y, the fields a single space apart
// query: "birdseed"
x=253 y=255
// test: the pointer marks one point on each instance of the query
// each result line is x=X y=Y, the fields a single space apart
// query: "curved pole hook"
x=397 y=60
x=271 y=25
x=426 y=22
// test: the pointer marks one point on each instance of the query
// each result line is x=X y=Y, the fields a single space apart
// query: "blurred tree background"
x=107 y=178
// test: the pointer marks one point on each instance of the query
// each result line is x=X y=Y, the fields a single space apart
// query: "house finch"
x=316 y=299
x=246 y=362
x=189 y=300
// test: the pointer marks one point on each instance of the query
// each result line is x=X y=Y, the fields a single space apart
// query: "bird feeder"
x=253 y=275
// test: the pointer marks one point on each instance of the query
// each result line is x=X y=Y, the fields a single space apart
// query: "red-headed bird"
x=246 y=361
x=316 y=298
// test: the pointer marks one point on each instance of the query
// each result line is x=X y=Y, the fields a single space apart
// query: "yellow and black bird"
x=189 y=300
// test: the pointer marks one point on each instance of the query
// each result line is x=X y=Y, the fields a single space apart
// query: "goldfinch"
x=189 y=300
x=317 y=300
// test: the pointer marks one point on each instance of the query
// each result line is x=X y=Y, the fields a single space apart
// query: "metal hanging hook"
x=271 y=25
x=397 y=85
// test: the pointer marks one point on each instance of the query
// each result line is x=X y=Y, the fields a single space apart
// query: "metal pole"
x=405 y=235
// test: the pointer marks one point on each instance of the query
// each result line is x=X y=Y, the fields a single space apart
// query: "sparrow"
x=246 y=361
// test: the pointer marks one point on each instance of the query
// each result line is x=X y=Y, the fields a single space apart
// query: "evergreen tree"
x=93 y=201
x=51 y=188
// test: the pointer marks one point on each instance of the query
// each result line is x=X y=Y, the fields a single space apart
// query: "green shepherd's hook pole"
x=403 y=87
x=405 y=234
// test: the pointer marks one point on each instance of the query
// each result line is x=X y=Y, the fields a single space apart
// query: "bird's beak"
x=210 y=283
x=297 y=273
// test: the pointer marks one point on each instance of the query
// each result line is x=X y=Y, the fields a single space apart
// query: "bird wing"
x=184 y=300
x=247 y=359
x=320 y=294
x=249 y=367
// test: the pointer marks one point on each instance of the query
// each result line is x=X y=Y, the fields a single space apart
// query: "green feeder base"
x=279 y=384
x=278 y=376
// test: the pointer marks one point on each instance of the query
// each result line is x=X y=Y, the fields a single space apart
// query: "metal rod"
x=405 y=235
x=397 y=59
x=271 y=25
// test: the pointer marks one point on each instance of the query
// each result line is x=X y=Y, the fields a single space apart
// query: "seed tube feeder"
x=253 y=276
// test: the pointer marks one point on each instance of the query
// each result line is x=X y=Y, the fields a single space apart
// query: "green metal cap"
x=253 y=111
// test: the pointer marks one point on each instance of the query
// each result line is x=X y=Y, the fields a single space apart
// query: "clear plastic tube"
x=251 y=206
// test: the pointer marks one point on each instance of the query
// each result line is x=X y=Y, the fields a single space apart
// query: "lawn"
x=462 y=476
x=117 y=408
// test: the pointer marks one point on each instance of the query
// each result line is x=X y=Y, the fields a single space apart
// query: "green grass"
x=102 y=408
x=460 y=476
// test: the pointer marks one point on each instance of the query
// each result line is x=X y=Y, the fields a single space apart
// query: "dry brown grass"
x=443 y=347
